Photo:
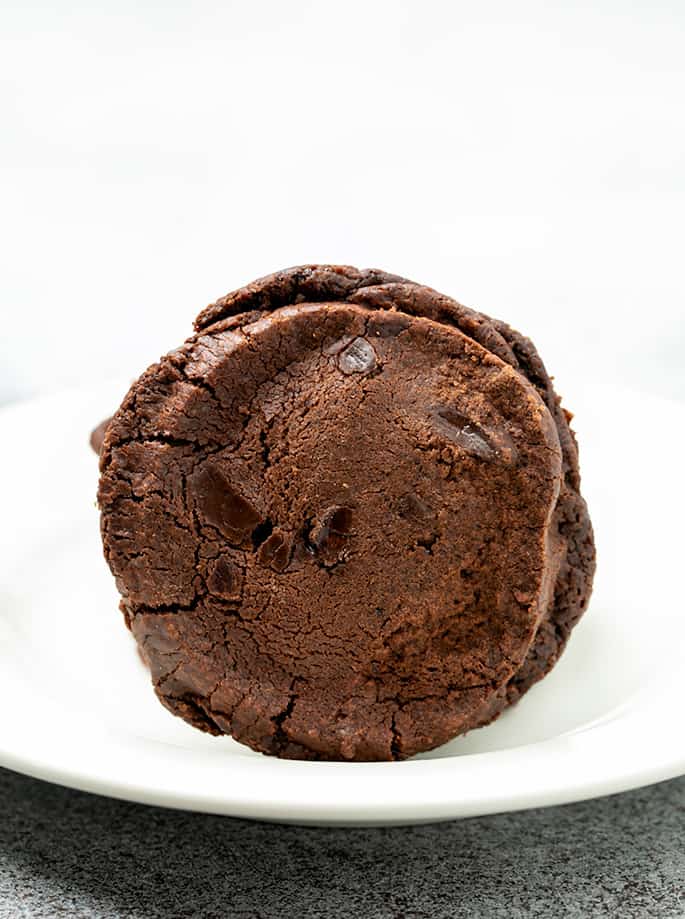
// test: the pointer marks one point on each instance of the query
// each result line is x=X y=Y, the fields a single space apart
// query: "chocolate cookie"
x=344 y=517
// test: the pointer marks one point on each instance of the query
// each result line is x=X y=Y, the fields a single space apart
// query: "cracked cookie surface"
x=344 y=517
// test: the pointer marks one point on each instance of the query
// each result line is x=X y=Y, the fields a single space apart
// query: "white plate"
x=78 y=708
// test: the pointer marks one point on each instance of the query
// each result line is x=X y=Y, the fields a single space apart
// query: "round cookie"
x=344 y=517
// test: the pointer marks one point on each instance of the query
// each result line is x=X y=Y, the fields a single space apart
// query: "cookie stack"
x=344 y=517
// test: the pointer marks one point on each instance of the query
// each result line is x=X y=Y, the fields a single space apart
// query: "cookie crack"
x=281 y=738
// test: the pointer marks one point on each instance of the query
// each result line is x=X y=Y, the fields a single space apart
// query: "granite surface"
x=65 y=853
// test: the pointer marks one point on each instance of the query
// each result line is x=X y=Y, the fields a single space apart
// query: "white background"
x=525 y=158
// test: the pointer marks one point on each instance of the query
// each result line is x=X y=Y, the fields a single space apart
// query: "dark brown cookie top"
x=335 y=517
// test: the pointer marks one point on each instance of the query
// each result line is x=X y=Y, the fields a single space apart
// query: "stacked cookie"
x=344 y=517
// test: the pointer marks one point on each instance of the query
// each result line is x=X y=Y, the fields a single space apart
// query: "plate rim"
x=331 y=779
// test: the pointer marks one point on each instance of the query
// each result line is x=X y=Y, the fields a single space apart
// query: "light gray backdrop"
x=528 y=159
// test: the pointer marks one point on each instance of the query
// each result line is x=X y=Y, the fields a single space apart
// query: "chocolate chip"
x=493 y=444
x=464 y=432
x=275 y=551
x=222 y=506
x=358 y=357
x=225 y=580
x=339 y=519
x=98 y=435
x=327 y=538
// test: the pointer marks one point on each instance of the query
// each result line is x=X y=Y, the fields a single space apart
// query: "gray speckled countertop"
x=65 y=853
